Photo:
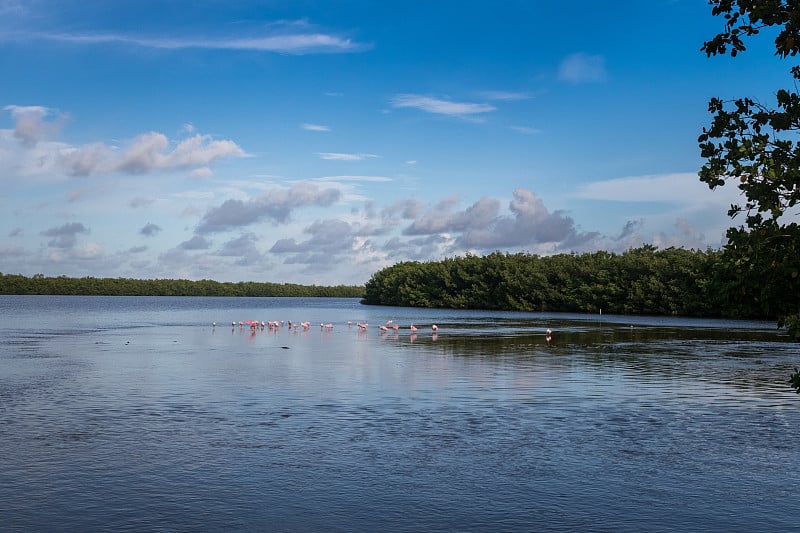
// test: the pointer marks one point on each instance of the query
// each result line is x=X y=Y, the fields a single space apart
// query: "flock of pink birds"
x=277 y=324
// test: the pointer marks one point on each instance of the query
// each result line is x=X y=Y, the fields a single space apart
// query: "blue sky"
x=320 y=141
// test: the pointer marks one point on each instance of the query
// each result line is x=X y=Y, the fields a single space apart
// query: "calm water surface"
x=136 y=414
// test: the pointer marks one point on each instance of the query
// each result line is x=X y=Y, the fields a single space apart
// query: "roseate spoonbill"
x=413 y=328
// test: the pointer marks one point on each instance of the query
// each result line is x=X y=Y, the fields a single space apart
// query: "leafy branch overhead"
x=755 y=146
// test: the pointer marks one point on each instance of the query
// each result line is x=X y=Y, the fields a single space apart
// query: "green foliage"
x=794 y=381
x=39 y=284
x=640 y=281
x=756 y=147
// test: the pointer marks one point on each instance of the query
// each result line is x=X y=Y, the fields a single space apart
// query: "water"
x=135 y=414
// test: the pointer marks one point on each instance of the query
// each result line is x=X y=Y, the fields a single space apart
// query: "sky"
x=317 y=142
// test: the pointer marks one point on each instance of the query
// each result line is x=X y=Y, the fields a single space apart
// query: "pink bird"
x=435 y=327
x=413 y=328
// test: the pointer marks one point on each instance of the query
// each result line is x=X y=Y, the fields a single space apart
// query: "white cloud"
x=201 y=172
x=89 y=250
x=28 y=150
x=150 y=152
x=678 y=208
x=481 y=226
x=31 y=123
x=508 y=96
x=285 y=43
x=679 y=188
x=86 y=159
x=440 y=107
x=275 y=205
x=685 y=235
x=65 y=236
x=525 y=130
x=582 y=68
x=338 y=156
x=440 y=220
x=375 y=179
x=315 y=127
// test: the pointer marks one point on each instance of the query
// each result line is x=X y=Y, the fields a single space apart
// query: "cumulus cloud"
x=441 y=220
x=140 y=201
x=685 y=235
x=90 y=250
x=582 y=68
x=439 y=106
x=241 y=245
x=481 y=226
x=331 y=242
x=65 y=236
x=530 y=223
x=150 y=152
x=274 y=205
x=29 y=149
x=35 y=123
x=85 y=160
x=425 y=248
x=330 y=235
x=244 y=249
x=408 y=209
x=631 y=227
x=149 y=230
x=195 y=243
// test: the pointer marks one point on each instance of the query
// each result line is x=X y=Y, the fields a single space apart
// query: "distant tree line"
x=641 y=281
x=90 y=286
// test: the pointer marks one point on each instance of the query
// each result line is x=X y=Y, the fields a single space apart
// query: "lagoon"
x=136 y=414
